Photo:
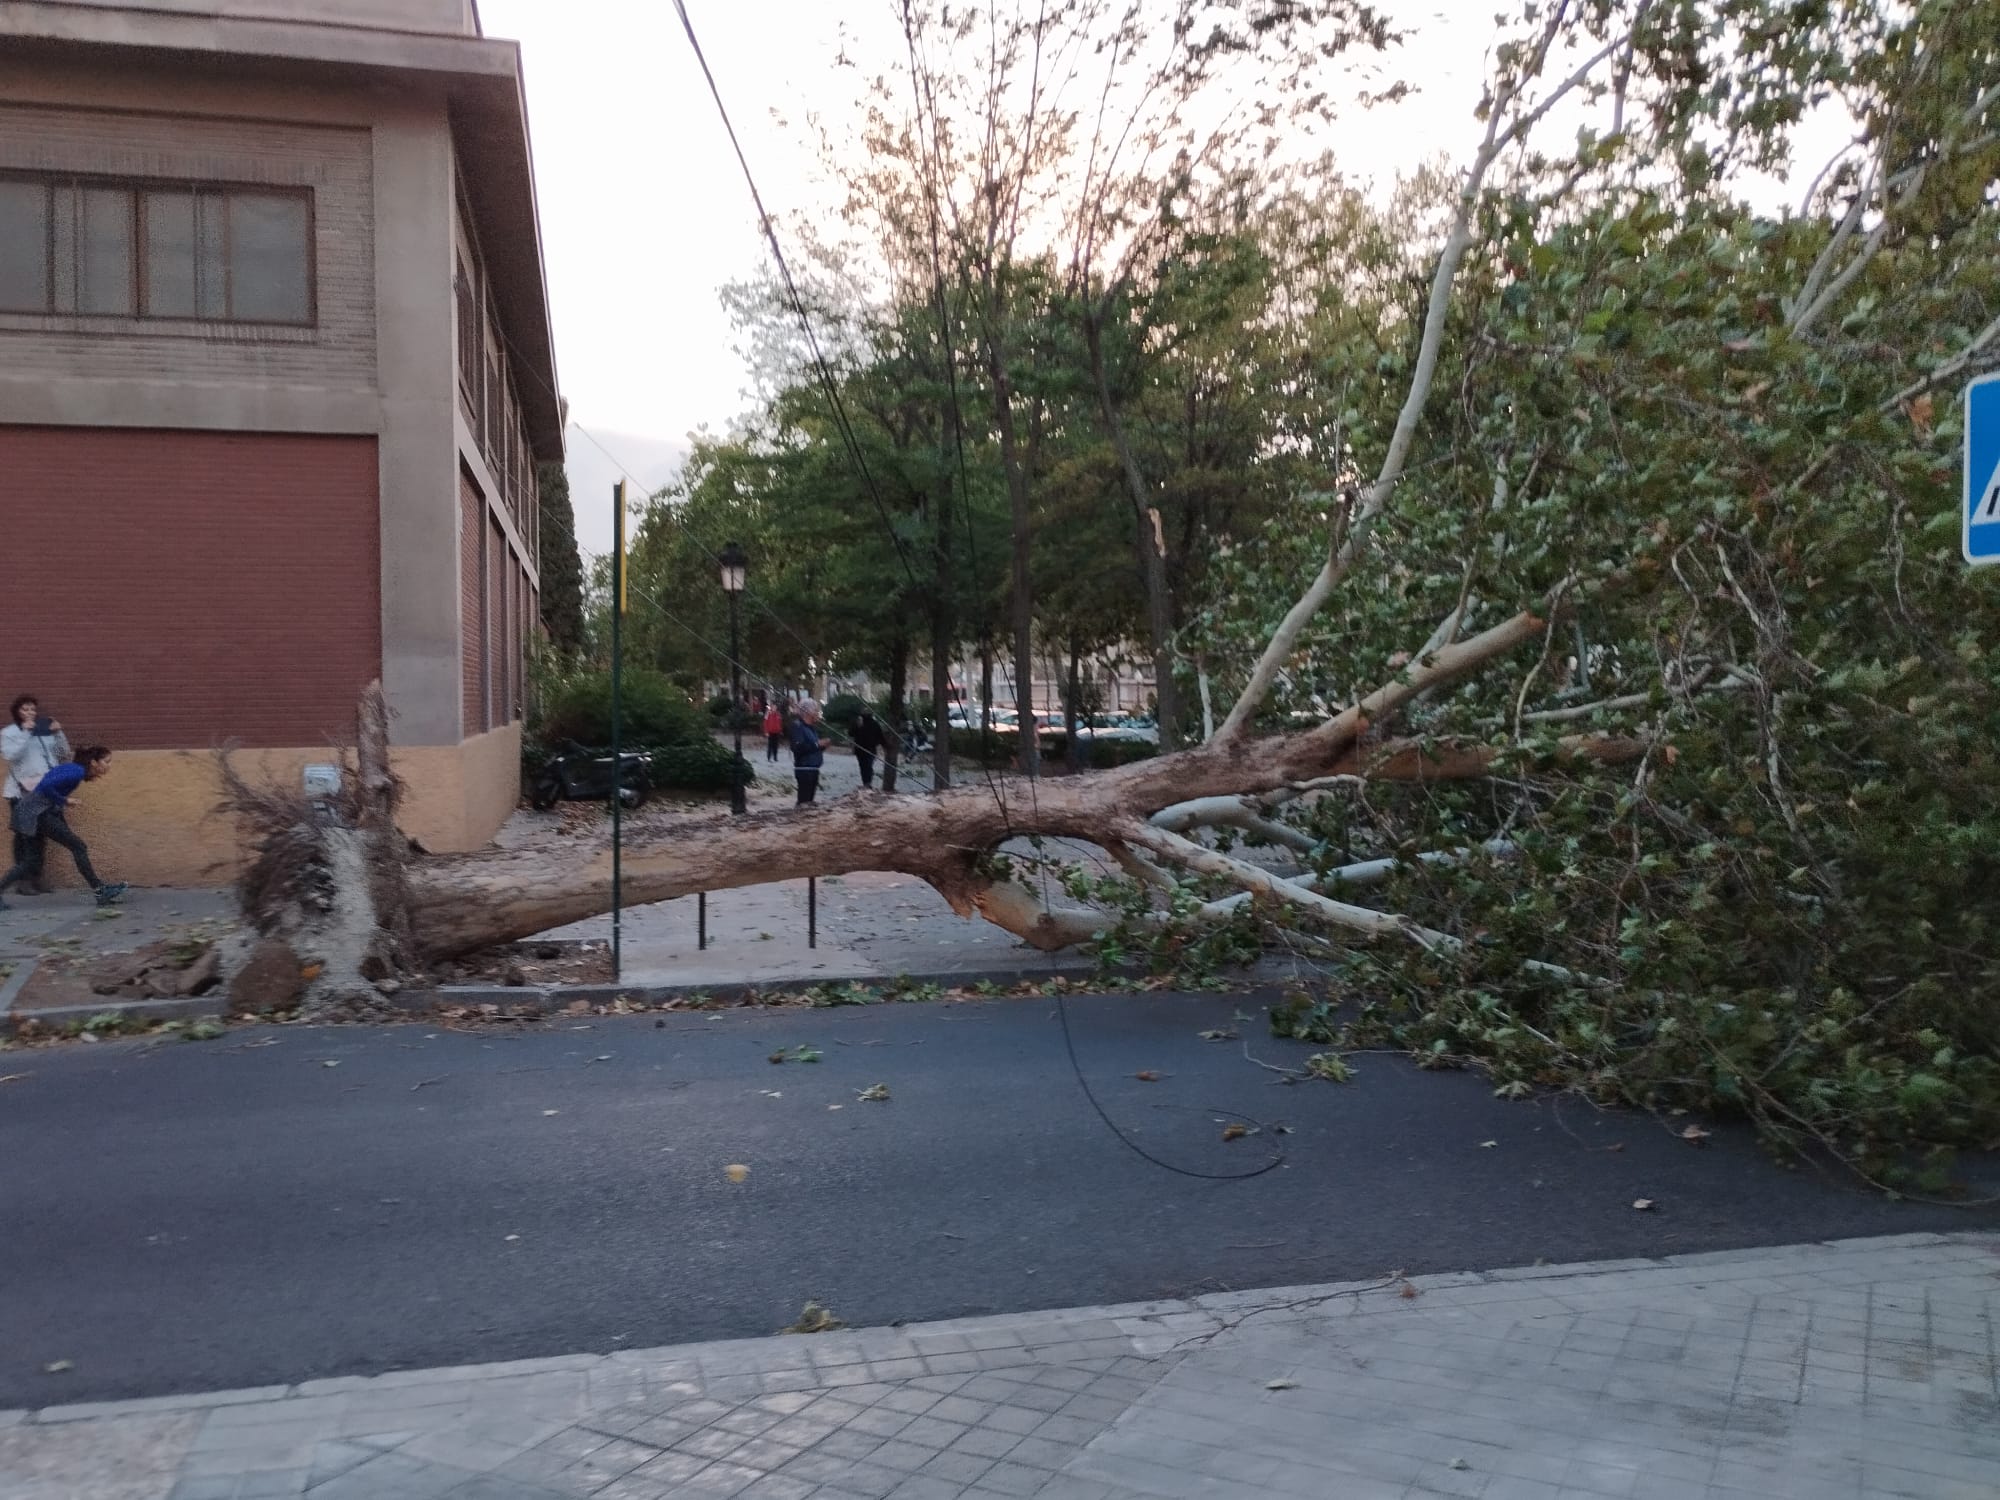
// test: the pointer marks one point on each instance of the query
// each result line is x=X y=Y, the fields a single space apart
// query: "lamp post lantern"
x=734 y=566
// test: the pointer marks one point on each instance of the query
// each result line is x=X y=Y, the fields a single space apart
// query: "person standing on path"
x=867 y=745
x=43 y=815
x=32 y=746
x=808 y=749
x=774 y=731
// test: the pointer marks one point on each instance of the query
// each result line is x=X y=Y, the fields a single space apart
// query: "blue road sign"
x=1982 y=470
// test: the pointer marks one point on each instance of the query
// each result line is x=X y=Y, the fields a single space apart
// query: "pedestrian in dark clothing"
x=808 y=749
x=42 y=815
x=774 y=731
x=867 y=745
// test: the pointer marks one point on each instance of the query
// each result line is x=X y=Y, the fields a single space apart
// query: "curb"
x=518 y=1001
x=23 y=971
x=1147 y=1330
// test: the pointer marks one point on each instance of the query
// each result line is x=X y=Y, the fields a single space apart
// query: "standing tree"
x=561 y=563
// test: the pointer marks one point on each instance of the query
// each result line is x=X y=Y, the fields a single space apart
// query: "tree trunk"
x=336 y=895
x=1021 y=590
x=1149 y=542
x=1074 y=752
x=899 y=686
x=985 y=697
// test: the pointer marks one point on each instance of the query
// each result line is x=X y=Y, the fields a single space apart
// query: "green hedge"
x=703 y=766
x=842 y=709
x=652 y=712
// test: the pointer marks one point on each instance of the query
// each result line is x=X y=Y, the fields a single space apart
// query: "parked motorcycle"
x=580 y=775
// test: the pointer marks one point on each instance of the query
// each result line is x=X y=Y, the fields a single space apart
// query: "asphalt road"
x=187 y=1216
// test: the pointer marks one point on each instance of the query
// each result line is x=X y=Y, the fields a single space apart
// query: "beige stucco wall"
x=152 y=820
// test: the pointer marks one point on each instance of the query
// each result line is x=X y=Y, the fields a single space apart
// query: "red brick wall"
x=496 y=624
x=471 y=596
x=172 y=590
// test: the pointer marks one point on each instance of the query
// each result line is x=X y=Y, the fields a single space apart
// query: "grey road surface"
x=294 y=1202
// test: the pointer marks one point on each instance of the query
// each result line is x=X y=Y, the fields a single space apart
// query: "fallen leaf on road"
x=875 y=1093
x=736 y=1171
x=58 y=1366
x=13 y=1077
x=1694 y=1135
x=548 y=1112
x=1235 y=1132
x=814 y=1319
x=1642 y=1203
x=1459 y=1463
x=1147 y=1075
x=1487 y=1145
x=1217 y=1036
x=836 y=1106
x=1329 y=1065
x=512 y=1237
x=1409 y=1292
x=1281 y=1385
x=331 y=1062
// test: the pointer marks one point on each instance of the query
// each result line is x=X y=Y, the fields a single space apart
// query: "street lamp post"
x=734 y=566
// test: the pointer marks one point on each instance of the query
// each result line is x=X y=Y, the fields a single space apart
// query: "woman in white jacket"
x=31 y=751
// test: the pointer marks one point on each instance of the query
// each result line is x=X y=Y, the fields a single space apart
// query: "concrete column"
x=416 y=369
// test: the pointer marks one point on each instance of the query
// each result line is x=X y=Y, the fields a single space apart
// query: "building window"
x=232 y=255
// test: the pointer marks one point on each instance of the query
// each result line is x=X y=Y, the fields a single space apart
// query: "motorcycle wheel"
x=637 y=788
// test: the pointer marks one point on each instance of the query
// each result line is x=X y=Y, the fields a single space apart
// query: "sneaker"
x=108 y=895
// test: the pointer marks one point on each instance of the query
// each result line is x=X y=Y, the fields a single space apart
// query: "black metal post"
x=617 y=738
x=701 y=920
x=812 y=911
x=738 y=803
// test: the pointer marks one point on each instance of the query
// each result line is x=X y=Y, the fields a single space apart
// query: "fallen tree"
x=1754 y=887
x=357 y=908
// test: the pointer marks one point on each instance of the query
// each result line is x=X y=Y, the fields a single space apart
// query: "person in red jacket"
x=774 y=733
x=41 y=815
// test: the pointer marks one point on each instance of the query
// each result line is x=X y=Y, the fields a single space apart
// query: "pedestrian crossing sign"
x=1982 y=471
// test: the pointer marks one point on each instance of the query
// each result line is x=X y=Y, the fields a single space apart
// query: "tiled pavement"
x=1864 y=1368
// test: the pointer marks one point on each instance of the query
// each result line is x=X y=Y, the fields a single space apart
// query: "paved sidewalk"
x=1857 y=1369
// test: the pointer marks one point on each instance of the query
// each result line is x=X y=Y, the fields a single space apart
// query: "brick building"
x=275 y=371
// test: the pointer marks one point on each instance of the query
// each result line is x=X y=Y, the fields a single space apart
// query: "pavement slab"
x=1852 y=1370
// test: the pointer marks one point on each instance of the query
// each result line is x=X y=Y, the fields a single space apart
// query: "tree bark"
x=1149 y=542
x=460 y=903
x=1022 y=586
x=899 y=688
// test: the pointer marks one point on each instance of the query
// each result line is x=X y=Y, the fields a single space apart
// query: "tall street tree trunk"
x=1022 y=588
x=1149 y=542
x=899 y=686
x=1072 y=697
x=985 y=696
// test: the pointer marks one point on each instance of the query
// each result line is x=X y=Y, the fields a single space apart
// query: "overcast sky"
x=645 y=216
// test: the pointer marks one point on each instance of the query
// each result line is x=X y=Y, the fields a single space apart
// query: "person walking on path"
x=867 y=745
x=808 y=749
x=32 y=746
x=774 y=731
x=43 y=815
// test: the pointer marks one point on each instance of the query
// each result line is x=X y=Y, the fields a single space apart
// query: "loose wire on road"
x=1278 y=1152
